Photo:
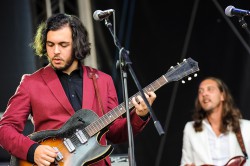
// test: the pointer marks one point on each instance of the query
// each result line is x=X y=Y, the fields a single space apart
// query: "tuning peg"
x=189 y=78
x=178 y=63
x=184 y=60
x=183 y=81
x=195 y=75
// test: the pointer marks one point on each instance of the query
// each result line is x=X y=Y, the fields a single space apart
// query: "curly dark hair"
x=81 y=45
x=230 y=114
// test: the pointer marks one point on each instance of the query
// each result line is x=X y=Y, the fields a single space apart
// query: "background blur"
x=158 y=34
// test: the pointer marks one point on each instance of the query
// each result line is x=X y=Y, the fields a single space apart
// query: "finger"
x=49 y=159
x=146 y=95
x=42 y=162
x=142 y=102
x=152 y=94
x=45 y=162
x=139 y=99
x=135 y=103
x=51 y=152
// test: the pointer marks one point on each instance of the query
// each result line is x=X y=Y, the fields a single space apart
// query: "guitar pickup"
x=59 y=154
x=80 y=135
x=69 y=145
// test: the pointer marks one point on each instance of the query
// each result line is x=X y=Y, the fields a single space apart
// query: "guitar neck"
x=108 y=118
x=175 y=73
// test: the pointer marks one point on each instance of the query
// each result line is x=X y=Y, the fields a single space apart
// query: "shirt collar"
x=78 y=71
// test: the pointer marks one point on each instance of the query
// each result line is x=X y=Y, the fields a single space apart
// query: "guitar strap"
x=92 y=73
x=241 y=142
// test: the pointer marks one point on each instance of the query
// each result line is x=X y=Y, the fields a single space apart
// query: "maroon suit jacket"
x=41 y=95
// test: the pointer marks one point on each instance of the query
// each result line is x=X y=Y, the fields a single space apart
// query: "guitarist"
x=53 y=93
x=211 y=138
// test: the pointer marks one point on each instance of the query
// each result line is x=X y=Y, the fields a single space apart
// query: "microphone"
x=232 y=11
x=99 y=15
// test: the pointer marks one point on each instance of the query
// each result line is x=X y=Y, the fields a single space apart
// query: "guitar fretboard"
x=119 y=110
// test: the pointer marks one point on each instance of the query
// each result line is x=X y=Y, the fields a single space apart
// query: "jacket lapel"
x=88 y=91
x=53 y=82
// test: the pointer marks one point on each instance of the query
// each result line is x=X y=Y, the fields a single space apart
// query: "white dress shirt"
x=219 y=148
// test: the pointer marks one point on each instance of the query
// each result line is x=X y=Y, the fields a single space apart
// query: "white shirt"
x=196 y=147
x=219 y=146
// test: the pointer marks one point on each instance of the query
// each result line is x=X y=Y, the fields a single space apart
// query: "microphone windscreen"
x=228 y=11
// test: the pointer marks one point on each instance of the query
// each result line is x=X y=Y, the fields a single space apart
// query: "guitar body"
x=235 y=161
x=84 y=153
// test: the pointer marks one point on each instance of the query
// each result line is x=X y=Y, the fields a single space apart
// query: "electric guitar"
x=77 y=141
x=235 y=161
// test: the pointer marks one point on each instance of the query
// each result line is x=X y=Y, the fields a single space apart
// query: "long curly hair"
x=81 y=45
x=230 y=114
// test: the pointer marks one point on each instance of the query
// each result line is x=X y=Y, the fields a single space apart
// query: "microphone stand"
x=125 y=63
x=243 y=24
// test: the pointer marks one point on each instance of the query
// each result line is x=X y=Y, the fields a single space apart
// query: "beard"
x=209 y=111
x=67 y=64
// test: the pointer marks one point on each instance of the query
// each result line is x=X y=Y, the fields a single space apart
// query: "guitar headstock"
x=181 y=70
